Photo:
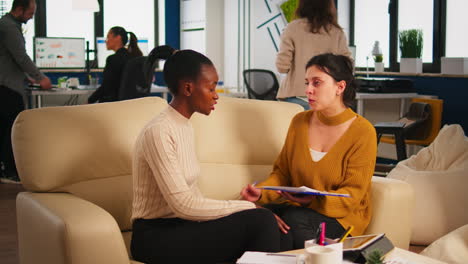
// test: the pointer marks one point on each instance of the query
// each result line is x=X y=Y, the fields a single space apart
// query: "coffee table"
x=396 y=256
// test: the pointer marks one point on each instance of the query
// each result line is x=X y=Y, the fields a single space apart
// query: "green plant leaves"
x=411 y=43
x=378 y=58
x=289 y=9
x=375 y=257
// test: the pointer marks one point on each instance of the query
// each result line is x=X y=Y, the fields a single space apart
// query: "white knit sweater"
x=165 y=173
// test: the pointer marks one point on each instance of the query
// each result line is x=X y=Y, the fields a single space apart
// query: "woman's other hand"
x=250 y=193
x=304 y=200
x=281 y=224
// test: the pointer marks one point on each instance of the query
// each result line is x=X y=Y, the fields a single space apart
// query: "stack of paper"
x=251 y=257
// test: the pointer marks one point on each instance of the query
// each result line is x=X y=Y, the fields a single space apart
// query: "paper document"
x=302 y=190
x=251 y=257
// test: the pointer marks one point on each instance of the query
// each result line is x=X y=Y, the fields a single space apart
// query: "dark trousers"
x=175 y=240
x=11 y=104
x=304 y=223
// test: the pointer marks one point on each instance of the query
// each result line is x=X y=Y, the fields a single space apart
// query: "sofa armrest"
x=61 y=228
x=392 y=205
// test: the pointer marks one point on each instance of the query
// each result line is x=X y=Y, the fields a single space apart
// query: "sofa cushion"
x=451 y=248
x=84 y=150
x=243 y=131
x=438 y=176
x=239 y=142
x=60 y=146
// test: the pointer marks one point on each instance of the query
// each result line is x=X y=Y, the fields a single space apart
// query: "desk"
x=35 y=95
x=360 y=97
x=160 y=89
x=222 y=91
x=230 y=91
x=234 y=94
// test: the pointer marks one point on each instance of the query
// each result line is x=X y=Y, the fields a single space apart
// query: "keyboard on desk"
x=38 y=87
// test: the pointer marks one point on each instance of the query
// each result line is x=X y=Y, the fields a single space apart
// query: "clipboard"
x=302 y=190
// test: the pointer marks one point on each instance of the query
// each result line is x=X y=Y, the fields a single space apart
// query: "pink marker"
x=322 y=235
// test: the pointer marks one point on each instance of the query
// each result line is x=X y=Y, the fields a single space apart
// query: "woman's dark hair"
x=319 y=13
x=133 y=48
x=183 y=65
x=340 y=68
x=21 y=3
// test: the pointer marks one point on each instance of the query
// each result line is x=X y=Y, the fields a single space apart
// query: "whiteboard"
x=59 y=52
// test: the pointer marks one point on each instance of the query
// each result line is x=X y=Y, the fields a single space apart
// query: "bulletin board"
x=59 y=52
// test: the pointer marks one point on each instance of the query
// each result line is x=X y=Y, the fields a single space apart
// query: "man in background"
x=16 y=68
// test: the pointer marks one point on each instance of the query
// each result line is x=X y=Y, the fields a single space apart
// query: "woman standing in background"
x=116 y=39
x=315 y=31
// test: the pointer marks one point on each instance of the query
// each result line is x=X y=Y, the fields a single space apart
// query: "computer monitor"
x=103 y=53
x=68 y=53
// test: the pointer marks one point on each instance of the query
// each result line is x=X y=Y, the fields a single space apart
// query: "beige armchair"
x=75 y=162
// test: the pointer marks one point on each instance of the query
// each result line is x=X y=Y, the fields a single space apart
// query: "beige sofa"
x=75 y=162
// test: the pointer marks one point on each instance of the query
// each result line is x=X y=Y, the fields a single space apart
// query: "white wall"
x=343 y=16
x=215 y=34
x=202 y=30
x=231 y=42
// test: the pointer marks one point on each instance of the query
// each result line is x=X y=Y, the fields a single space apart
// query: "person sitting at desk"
x=117 y=38
x=172 y=221
x=329 y=148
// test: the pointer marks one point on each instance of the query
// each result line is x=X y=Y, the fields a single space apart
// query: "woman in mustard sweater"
x=329 y=148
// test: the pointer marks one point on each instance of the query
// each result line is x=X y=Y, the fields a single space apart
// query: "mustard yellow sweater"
x=346 y=168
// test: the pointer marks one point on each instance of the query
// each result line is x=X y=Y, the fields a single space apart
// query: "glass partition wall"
x=252 y=32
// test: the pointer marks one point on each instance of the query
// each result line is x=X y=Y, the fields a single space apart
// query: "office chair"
x=429 y=131
x=420 y=126
x=134 y=83
x=261 y=84
x=412 y=123
x=138 y=73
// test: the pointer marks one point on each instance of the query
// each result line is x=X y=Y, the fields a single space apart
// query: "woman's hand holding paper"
x=250 y=193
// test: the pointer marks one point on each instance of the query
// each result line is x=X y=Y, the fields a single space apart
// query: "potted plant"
x=378 y=57
x=374 y=257
x=411 y=44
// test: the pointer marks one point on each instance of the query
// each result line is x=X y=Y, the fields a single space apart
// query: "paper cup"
x=323 y=255
x=316 y=254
